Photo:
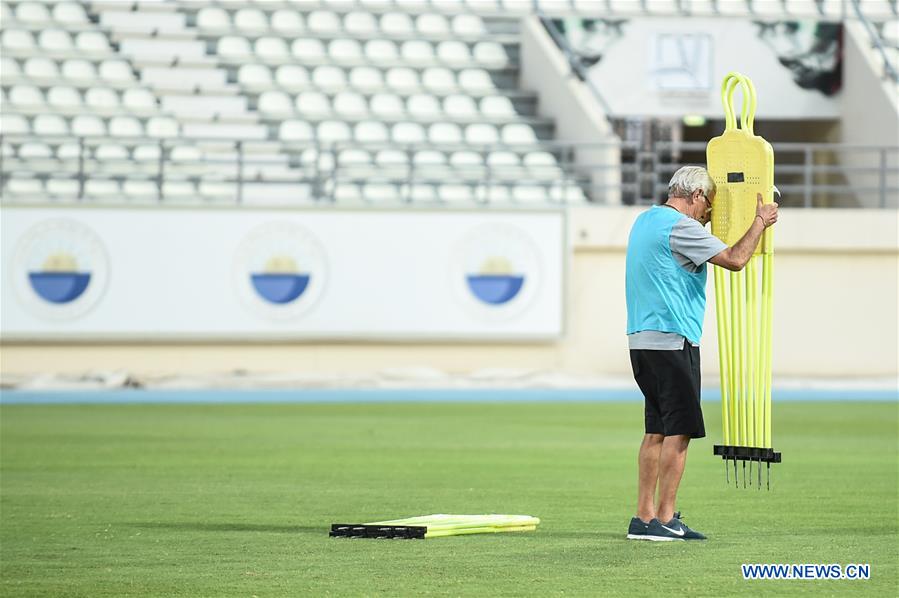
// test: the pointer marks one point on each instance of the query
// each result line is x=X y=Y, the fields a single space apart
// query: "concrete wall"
x=566 y=99
x=870 y=113
x=836 y=315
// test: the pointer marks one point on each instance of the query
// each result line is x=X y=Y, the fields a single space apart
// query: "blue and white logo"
x=496 y=271
x=60 y=269
x=280 y=270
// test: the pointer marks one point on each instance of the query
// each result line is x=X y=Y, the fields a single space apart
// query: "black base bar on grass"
x=359 y=530
x=747 y=453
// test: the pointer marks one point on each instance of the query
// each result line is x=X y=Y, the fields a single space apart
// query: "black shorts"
x=670 y=383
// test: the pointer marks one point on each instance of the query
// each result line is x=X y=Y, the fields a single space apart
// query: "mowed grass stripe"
x=215 y=500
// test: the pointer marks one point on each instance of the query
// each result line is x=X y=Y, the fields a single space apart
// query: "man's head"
x=692 y=190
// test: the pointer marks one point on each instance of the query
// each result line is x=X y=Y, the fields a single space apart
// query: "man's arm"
x=736 y=257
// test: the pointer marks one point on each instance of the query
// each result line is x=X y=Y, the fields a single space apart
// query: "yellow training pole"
x=768 y=293
x=739 y=359
x=720 y=308
x=750 y=353
x=736 y=426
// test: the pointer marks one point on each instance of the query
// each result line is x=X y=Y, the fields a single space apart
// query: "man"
x=665 y=280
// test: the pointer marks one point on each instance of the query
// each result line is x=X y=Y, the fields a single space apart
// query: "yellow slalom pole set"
x=742 y=166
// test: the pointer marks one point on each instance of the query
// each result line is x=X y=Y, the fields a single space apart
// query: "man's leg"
x=650 y=451
x=672 y=459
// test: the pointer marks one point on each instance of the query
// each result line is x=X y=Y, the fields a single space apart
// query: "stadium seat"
x=417 y=51
x=32 y=12
x=350 y=104
x=230 y=46
x=178 y=190
x=79 y=69
x=397 y=23
x=420 y=193
x=455 y=193
x=34 y=150
x=475 y=79
x=49 y=125
x=140 y=190
x=360 y=23
x=408 y=132
x=481 y=134
x=55 y=40
x=292 y=76
x=125 y=126
x=63 y=97
x=392 y=157
x=88 y=125
x=287 y=21
x=345 y=50
x=432 y=24
x=370 y=132
x=254 y=75
x=140 y=100
x=347 y=192
x=9 y=67
x=460 y=106
x=381 y=50
x=353 y=157
x=366 y=77
x=146 y=154
x=321 y=21
x=212 y=17
x=38 y=68
x=529 y=194
x=101 y=98
x=490 y=52
x=92 y=42
x=386 y=105
x=116 y=71
x=380 y=192
x=465 y=160
x=275 y=102
x=468 y=25
x=313 y=103
x=497 y=107
x=329 y=77
x=272 y=49
x=308 y=49
x=58 y=188
x=453 y=52
x=16 y=39
x=402 y=78
x=445 y=133
x=518 y=134
x=24 y=185
x=13 y=124
x=438 y=79
x=26 y=96
x=425 y=158
x=250 y=19
x=332 y=131
x=68 y=152
x=423 y=106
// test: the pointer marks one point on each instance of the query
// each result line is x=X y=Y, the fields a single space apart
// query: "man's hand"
x=766 y=211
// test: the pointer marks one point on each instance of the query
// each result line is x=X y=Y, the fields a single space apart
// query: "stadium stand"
x=343 y=100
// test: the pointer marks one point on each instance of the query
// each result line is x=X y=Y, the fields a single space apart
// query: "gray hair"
x=688 y=179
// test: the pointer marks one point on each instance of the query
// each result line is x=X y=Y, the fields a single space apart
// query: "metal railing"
x=807 y=174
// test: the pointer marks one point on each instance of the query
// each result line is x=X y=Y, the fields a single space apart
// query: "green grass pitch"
x=236 y=500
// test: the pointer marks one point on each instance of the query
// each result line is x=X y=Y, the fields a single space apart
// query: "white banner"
x=97 y=273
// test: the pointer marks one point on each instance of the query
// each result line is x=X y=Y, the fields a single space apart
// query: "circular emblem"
x=496 y=271
x=280 y=270
x=60 y=269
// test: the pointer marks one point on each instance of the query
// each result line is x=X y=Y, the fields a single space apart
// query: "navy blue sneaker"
x=637 y=529
x=674 y=530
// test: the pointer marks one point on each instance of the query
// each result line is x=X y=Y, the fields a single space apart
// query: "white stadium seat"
x=481 y=134
x=88 y=125
x=360 y=23
x=490 y=52
x=49 y=124
x=26 y=96
x=329 y=77
x=468 y=25
x=453 y=51
x=9 y=67
x=116 y=70
x=55 y=40
x=140 y=189
x=475 y=79
x=38 y=68
x=212 y=17
x=406 y=132
x=287 y=21
x=249 y=19
x=231 y=46
x=79 y=69
x=70 y=13
x=24 y=185
x=292 y=76
x=417 y=51
x=497 y=107
x=438 y=78
x=272 y=49
x=429 y=158
x=460 y=106
x=432 y=24
x=139 y=100
x=350 y=104
x=391 y=157
x=63 y=97
x=518 y=133
x=254 y=75
x=453 y=193
x=15 y=39
x=466 y=159
x=13 y=124
x=331 y=131
x=308 y=49
x=101 y=98
x=111 y=151
x=32 y=12
x=366 y=77
x=162 y=126
x=381 y=50
x=402 y=78
x=386 y=105
x=370 y=132
x=355 y=157
x=146 y=153
x=345 y=50
x=445 y=133
x=276 y=102
x=423 y=106
x=397 y=23
x=92 y=41
x=125 y=126
x=313 y=103
x=321 y=21
x=62 y=187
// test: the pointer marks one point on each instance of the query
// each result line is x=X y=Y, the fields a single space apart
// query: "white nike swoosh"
x=676 y=532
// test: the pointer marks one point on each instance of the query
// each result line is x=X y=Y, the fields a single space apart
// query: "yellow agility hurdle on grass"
x=742 y=165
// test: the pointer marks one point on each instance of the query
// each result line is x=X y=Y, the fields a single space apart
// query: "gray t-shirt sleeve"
x=693 y=245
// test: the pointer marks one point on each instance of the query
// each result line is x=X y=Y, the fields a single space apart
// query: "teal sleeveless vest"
x=661 y=295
